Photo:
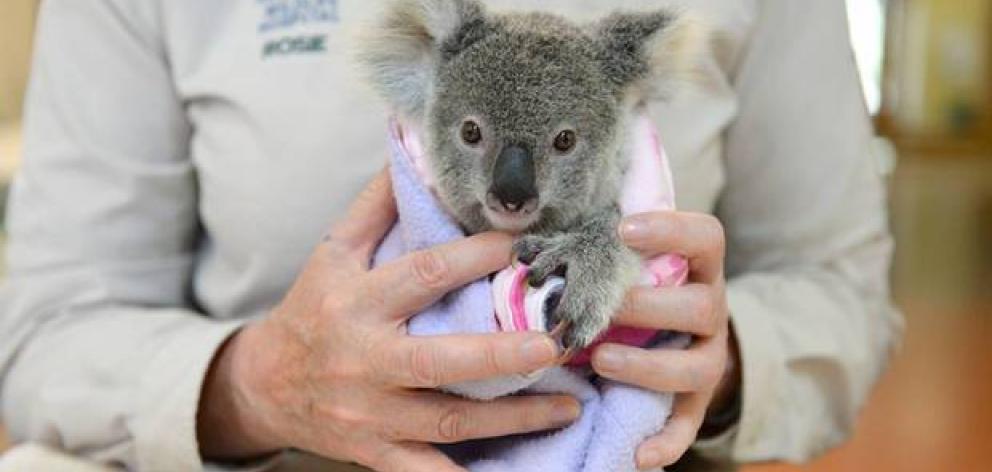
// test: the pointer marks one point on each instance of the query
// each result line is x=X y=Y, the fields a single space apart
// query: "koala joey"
x=525 y=118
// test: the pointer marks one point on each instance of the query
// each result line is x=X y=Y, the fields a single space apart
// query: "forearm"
x=114 y=384
x=226 y=428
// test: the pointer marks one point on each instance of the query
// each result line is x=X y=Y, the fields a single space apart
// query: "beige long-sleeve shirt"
x=182 y=158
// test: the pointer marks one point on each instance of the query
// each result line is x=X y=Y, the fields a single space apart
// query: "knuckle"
x=657 y=454
x=345 y=417
x=370 y=296
x=333 y=305
x=714 y=232
x=668 y=452
x=453 y=424
x=628 y=305
x=703 y=310
x=674 y=225
x=390 y=431
x=704 y=375
x=713 y=374
x=423 y=364
x=381 y=362
x=351 y=362
x=491 y=359
x=340 y=371
x=672 y=453
x=691 y=378
x=430 y=269
x=633 y=303
x=638 y=364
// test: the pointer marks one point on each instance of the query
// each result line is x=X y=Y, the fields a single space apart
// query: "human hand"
x=333 y=371
x=697 y=374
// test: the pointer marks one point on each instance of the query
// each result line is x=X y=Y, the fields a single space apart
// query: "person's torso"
x=286 y=132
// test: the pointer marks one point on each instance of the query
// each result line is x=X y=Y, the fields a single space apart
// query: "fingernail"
x=565 y=412
x=609 y=359
x=538 y=352
x=633 y=229
x=648 y=458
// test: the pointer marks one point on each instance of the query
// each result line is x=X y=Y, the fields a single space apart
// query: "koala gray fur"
x=528 y=81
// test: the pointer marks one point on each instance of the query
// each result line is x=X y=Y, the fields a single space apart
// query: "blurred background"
x=926 y=66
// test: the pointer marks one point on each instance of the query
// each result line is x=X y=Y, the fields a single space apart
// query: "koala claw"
x=546 y=256
x=558 y=334
x=526 y=249
x=582 y=328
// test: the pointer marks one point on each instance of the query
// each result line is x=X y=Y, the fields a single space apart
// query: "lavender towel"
x=615 y=417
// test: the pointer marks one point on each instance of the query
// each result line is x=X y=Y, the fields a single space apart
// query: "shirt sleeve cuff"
x=759 y=355
x=719 y=447
x=169 y=395
x=261 y=465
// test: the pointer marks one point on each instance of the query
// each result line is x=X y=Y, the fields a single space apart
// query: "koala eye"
x=471 y=133
x=565 y=141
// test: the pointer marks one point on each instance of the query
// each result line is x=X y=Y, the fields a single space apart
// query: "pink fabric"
x=517 y=299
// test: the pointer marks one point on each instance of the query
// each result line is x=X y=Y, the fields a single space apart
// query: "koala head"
x=524 y=114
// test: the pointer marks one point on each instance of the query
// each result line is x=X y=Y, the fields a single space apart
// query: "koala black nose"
x=513 y=179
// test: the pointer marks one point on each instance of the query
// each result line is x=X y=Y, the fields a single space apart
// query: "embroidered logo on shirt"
x=281 y=14
x=295 y=44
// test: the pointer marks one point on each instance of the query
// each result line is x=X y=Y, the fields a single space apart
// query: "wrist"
x=725 y=406
x=228 y=424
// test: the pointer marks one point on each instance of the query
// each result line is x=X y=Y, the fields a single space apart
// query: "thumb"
x=369 y=217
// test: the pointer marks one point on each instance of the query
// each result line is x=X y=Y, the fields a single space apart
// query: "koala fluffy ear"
x=401 y=52
x=648 y=55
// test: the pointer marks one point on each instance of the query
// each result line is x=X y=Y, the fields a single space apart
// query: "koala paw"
x=593 y=285
x=546 y=256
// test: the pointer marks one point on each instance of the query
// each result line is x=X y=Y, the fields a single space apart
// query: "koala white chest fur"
x=525 y=118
